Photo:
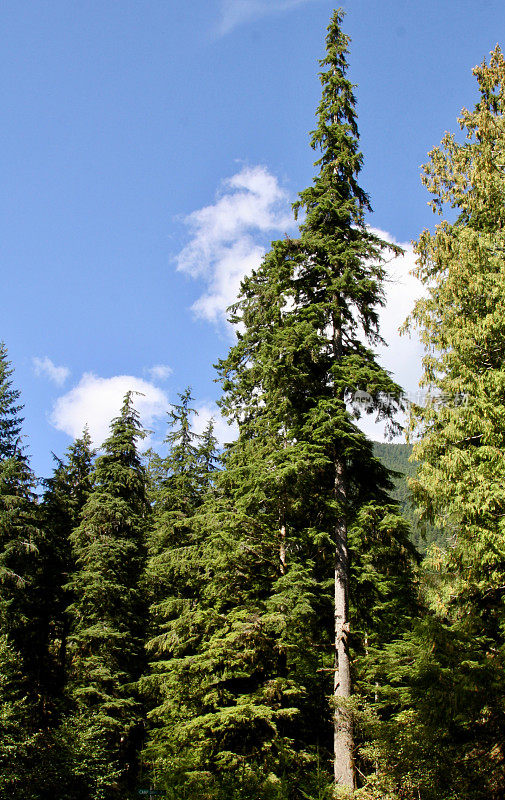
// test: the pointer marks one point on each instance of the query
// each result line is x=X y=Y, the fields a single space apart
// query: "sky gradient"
x=150 y=152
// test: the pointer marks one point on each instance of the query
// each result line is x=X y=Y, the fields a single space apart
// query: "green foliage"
x=65 y=495
x=108 y=614
x=33 y=758
x=15 y=738
x=223 y=689
x=245 y=635
x=439 y=725
x=18 y=532
x=10 y=408
x=182 y=480
x=397 y=459
x=19 y=537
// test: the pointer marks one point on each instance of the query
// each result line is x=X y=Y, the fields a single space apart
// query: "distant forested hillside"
x=396 y=458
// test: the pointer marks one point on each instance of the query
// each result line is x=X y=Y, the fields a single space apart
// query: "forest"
x=306 y=613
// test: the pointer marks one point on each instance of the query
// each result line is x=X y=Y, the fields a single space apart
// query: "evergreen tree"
x=32 y=757
x=180 y=480
x=10 y=408
x=307 y=312
x=447 y=690
x=108 y=614
x=250 y=651
x=397 y=459
x=16 y=737
x=65 y=495
x=174 y=479
x=18 y=535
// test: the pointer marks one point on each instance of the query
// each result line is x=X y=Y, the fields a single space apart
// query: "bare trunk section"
x=343 y=765
x=343 y=737
x=282 y=548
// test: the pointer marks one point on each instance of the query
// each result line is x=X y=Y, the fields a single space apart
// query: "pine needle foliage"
x=108 y=614
x=247 y=654
x=19 y=533
x=446 y=688
x=65 y=495
x=182 y=480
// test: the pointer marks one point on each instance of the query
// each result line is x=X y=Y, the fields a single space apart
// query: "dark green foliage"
x=108 y=614
x=228 y=568
x=440 y=723
x=16 y=739
x=65 y=495
x=29 y=750
x=246 y=646
x=181 y=482
x=228 y=704
x=10 y=409
x=397 y=459
x=435 y=728
x=289 y=382
x=19 y=535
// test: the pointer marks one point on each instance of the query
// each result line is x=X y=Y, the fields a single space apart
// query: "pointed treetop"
x=180 y=415
x=336 y=137
x=119 y=468
x=10 y=421
x=126 y=425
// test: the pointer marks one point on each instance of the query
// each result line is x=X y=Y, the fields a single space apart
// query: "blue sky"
x=150 y=150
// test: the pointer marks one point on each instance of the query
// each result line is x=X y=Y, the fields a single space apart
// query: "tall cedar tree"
x=108 y=614
x=265 y=622
x=247 y=652
x=18 y=531
x=47 y=765
x=20 y=650
x=180 y=482
x=454 y=670
x=65 y=495
x=306 y=314
x=33 y=755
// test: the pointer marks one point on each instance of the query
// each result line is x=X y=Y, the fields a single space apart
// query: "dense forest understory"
x=307 y=614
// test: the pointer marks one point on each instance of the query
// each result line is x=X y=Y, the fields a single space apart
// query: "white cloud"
x=160 y=372
x=238 y=12
x=223 y=432
x=45 y=367
x=95 y=401
x=402 y=355
x=224 y=245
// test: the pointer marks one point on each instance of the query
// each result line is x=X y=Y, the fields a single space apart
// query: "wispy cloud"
x=44 y=367
x=227 y=237
x=223 y=432
x=227 y=242
x=160 y=372
x=238 y=12
x=402 y=355
x=95 y=401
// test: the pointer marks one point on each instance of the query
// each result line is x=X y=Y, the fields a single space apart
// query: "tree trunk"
x=282 y=545
x=342 y=721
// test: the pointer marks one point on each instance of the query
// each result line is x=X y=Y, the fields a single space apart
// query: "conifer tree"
x=176 y=489
x=181 y=481
x=460 y=483
x=268 y=621
x=307 y=312
x=24 y=713
x=65 y=495
x=16 y=735
x=108 y=613
x=18 y=534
